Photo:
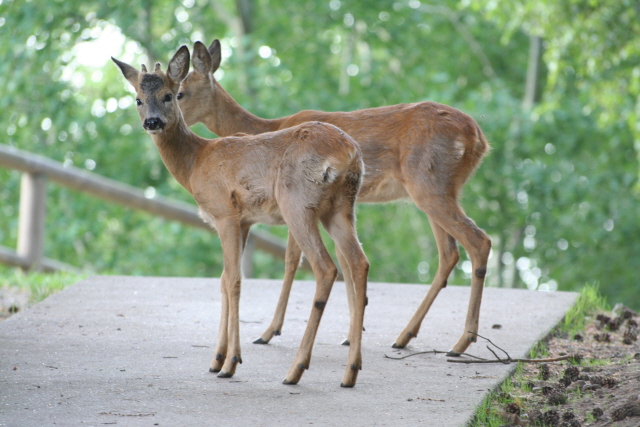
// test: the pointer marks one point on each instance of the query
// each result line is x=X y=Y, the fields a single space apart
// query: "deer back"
x=249 y=175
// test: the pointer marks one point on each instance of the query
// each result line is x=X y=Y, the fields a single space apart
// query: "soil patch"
x=603 y=390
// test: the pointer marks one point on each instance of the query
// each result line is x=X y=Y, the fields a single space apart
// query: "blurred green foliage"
x=37 y=286
x=558 y=193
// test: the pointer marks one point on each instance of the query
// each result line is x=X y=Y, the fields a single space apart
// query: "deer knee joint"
x=320 y=305
x=481 y=272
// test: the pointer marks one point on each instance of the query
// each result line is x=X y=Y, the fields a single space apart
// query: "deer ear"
x=179 y=65
x=216 y=56
x=129 y=73
x=202 y=62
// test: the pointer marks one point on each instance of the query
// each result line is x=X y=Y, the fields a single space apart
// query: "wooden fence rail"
x=37 y=170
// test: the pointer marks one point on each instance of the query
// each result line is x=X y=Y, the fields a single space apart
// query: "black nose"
x=153 y=123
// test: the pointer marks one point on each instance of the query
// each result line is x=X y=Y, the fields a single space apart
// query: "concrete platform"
x=135 y=351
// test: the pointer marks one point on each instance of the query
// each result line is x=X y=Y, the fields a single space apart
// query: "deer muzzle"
x=153 y=124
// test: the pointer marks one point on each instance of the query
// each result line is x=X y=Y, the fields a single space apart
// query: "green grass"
x=588 y=304
x=590 y=301
x=38 y=285
x=539 y=351
x=488 y=413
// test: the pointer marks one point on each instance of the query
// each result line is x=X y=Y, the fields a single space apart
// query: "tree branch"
x=466 y=35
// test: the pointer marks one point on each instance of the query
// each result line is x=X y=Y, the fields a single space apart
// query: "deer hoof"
x=453 y=354
x=223 y=374
x=345 y=342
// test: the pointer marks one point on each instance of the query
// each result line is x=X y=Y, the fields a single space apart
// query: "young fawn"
x=423 y=151
x=297 y=176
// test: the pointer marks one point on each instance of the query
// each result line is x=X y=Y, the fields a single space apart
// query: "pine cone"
x=609 y=382
x=572 y=373
x=544 y=373
x=551 y=418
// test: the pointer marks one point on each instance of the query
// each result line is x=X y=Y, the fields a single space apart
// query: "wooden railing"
x=37 y=170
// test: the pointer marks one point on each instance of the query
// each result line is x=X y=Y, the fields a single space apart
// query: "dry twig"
x=506 y=361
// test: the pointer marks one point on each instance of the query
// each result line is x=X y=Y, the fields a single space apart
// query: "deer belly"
x=266 y=211
x=263 y=217
x=269 y=217
x=384 y=189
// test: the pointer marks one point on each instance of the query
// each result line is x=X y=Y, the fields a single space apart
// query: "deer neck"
x=228 y=117
x=179 y=149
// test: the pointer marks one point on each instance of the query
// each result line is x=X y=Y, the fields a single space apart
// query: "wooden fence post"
x=33 y=194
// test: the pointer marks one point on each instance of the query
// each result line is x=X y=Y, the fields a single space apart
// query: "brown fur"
x=296 y=176
x=424 y=151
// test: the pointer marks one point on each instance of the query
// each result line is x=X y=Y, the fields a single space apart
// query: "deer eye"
x=167 y=97
x=138 y=101
x=179 y=95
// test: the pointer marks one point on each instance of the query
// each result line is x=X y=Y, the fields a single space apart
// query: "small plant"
x=596 y=362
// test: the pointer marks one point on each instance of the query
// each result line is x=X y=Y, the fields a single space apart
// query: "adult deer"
x=423 y=151
x=298 y=176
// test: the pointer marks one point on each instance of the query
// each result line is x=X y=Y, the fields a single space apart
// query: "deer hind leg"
x=448 y=256
x=355 y=267
x=221 y=344
x=478 y=246
x=228 y=355
x=447 y=213
x=304 y=227
x=348 y=282
x=292 y=260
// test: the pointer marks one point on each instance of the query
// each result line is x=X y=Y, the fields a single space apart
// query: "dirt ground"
x=604 y=390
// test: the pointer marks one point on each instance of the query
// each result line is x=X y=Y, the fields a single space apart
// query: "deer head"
x=156 y=92
x=196 y=90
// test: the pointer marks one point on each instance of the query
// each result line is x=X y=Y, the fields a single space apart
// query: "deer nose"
x=153 y=123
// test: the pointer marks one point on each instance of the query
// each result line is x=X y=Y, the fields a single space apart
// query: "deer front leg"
x=232 y=238
x=292 y=260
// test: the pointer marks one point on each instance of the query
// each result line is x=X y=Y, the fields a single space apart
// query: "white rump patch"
x=329 y=173
x=458 y=149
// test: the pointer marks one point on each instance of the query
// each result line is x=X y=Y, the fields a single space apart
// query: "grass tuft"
x=37 y=285
x=590 y=301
